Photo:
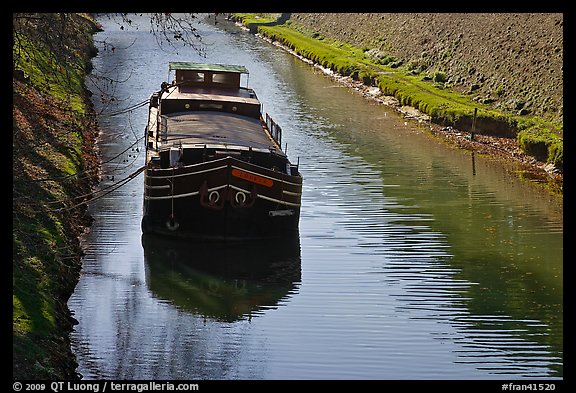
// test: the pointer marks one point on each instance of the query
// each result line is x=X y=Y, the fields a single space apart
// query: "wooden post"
x=473 y=124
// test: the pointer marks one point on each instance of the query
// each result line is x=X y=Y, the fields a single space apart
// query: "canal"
x=414 y=260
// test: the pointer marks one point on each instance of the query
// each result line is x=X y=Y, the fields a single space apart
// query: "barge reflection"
x=221 y=280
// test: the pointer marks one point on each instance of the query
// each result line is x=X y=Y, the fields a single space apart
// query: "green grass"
x=543 y=144
x=63 y=81
x=429 y=95
x=258 y=19
x=48 y=143
x=339 y=57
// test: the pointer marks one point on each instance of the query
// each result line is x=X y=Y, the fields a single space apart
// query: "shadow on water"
x=222 y=281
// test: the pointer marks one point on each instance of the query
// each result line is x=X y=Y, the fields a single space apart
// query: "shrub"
x=541 y=143
x=556 y=154
x=439 y=77
x=387 y=60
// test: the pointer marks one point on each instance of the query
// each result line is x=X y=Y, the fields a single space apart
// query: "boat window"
x=192 y=76
x=228 y=79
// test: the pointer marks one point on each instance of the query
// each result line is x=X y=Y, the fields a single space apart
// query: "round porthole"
x=187 y=106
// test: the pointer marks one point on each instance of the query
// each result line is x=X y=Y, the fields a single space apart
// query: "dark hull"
x=221 y=199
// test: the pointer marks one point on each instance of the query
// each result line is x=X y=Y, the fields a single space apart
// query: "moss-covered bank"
x=55 y=166
x=415 y=84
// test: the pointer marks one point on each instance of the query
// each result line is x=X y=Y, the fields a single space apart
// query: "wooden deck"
x=211 y=128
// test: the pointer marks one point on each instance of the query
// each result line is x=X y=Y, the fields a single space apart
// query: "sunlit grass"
x=48 y=139
x=429 y=95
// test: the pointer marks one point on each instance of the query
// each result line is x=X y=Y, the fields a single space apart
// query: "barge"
x=214 y=166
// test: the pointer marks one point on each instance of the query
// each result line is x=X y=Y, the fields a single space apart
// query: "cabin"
x=209 y=87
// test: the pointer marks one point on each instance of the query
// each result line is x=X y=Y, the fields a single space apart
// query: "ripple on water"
x=392 y=285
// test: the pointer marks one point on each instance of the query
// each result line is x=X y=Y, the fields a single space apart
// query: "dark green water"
x=413 y=262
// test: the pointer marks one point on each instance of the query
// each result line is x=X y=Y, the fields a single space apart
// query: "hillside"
x=54 y=168
x=514 y=60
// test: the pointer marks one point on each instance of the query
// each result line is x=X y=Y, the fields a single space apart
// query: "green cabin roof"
x=186 y=65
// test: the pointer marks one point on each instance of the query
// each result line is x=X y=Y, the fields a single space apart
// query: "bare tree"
x=167 y=28
x=53 y=44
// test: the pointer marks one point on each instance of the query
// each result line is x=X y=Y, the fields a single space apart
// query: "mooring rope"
x=108 y=190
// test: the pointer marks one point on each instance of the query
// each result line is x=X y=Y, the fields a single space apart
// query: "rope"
x=81 y=172
x=112 y=187
x=129 y=109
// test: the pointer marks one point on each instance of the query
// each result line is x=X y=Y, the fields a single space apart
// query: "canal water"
x=414 y=261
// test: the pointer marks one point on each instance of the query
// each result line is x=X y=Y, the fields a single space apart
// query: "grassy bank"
x=54 y=166
x=413 y=86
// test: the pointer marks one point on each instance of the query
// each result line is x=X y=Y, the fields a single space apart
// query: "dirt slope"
x=514 y=59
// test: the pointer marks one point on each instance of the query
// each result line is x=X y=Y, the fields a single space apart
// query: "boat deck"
x=214 y=129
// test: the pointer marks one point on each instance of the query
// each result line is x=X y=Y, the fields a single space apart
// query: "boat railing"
x=163 y=129
x=275 y=129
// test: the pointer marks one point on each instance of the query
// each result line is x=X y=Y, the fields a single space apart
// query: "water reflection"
x=464 y=243
x=222 y=281
x=417 y=262
x=501 y=337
